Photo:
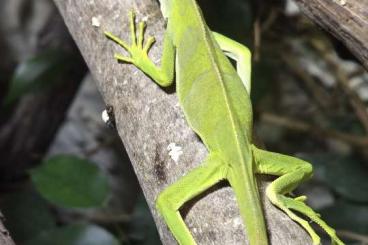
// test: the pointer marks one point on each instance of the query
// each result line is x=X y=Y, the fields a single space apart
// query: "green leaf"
x=347 y=216
x=345 y=175
x=79 y=234
x=72 y=182
x=26 y=214
x=36 y=73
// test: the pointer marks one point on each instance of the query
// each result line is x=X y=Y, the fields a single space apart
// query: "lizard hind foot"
x=297 y=204
x=304 y=209
x=285 y=203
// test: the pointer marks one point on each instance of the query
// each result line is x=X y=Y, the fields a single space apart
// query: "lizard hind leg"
x=292 y=172
x=169 y=201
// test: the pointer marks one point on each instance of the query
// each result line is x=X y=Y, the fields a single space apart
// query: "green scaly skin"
x=215 y=100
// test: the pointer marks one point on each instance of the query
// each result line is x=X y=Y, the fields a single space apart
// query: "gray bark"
x=5 y=238
x=149 y=119
x=347 y=20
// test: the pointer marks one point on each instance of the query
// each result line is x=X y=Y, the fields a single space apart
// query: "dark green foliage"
x=69 y=181
x=233 y=19
x=345 y=175
x=347 y=216
x=26 y=214
x=36 y=73
x=262 y=79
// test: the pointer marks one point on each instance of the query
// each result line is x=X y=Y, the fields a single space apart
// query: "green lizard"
x=216 y=104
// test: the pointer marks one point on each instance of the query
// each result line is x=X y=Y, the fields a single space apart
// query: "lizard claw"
x=301 y=198
x=122 y=58
x=137 y=49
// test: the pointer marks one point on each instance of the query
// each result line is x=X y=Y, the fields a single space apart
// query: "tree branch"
x=149 y=119
x=5 y=238
x=314 y=130
x=347 y=20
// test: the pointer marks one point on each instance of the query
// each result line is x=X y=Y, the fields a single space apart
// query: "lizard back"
x=223 y=112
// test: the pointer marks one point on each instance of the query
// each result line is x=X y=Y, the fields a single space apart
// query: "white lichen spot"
x=125 y=82
x=174 y=152
x=194 y=230
x=105 y=116
x=95 y=22
x=145 y=18
x=291 y=8
x=237 y=222
x=340 y=2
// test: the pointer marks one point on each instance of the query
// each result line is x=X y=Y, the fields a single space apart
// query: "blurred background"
x=65 y=177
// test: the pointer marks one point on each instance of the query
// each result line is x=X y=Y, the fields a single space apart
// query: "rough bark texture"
x=149 y=119
x=347 y=20
x=5 y=238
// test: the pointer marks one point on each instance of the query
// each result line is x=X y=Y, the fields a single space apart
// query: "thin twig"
x=314 y=130
x=359 y=72
x=342 y=78
x=354 y=236
x=318 y=94
x=257 y=40
x=272 y=17
x=95 y=216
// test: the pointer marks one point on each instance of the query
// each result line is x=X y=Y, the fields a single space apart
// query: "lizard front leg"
x=211 y=171
x=240 y=54
x=163 y=75
x=292 y=172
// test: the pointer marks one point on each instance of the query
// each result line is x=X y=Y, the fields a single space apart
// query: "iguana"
x=214 y=97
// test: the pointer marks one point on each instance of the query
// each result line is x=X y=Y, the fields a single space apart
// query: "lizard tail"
x=247 y=195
